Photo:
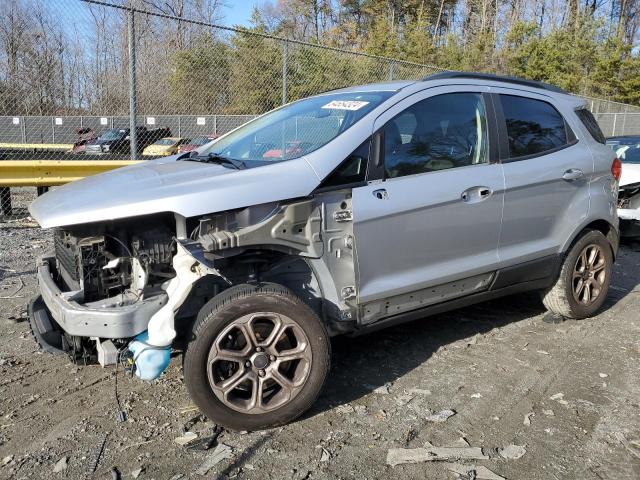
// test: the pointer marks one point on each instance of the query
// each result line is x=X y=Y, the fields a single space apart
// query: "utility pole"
x=133 y=140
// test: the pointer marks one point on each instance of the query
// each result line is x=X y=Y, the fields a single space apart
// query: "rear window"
x=533 y=126
x=591 y=124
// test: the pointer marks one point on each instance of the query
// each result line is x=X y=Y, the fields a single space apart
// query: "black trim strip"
x=376 y=155
x=492 y=127
x=532 y=275
x=452 y=305
x=503 y=137
x=540 y=154
x=538 y=269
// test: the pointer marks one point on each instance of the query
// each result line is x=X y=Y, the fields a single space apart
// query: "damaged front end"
x=108 y=283
x=124 y=287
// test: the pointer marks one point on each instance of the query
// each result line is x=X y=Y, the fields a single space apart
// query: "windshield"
x=299 y=128
x=114 y=134
x=200 y=141
x=629 y=153
x=165 y=141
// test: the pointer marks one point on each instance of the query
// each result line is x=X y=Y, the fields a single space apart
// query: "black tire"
x=44 y=329
x=559 y=298
x=223 y=310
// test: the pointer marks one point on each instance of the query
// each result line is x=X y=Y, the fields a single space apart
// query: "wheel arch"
x=601 y=225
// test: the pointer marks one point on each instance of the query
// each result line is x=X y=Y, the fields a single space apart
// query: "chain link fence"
x=93 y=79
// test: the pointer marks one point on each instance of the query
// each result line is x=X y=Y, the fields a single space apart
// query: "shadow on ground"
x=362 y=364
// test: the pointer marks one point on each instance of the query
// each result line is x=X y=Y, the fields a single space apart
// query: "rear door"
x=435 y=218
x=547 y=173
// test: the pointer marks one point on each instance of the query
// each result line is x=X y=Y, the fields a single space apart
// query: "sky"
x=238 y=12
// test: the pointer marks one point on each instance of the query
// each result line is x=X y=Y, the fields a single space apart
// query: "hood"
x=166 y=185
x=630 y=174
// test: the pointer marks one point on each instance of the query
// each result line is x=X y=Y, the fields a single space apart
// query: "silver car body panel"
x=420 y=237
x=183 y=187
x=191 y=188
x=437 y=236
x=541 y=209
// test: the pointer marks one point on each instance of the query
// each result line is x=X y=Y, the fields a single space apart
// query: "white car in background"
x=627 y=149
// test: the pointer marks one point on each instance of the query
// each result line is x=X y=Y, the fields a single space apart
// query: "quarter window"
x=533 y=126
x=445 y=131
x=590 y=122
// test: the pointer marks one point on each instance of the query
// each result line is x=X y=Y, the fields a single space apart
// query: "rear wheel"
x=585 y=276
x=258 y=357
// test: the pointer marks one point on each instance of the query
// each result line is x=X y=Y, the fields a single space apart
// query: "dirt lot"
x=568 y=393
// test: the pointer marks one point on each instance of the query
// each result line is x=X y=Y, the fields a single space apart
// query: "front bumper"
x=109 y=318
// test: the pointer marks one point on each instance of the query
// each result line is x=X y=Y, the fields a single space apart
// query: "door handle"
x=380 y=194
x=476 y=194
x=572 y=174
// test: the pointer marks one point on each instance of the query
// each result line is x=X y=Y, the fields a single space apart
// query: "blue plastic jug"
x=150 y=360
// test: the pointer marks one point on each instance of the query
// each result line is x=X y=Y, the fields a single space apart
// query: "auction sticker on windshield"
x=345 y=105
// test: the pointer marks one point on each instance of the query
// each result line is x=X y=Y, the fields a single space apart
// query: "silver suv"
x=339 y=213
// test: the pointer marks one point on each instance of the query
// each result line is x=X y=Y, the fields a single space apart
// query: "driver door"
x=435 y=217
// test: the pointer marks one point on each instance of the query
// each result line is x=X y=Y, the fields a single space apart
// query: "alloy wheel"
x=259 y=362
x=589 y=274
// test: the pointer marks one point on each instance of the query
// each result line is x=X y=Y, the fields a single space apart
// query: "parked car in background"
x=196 y=142
x=386 y=203
x=85 y=135
x=627 y=149
x=165 y=146
x=117 y=140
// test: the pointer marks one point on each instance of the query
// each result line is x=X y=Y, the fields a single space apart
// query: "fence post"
x=392 y=67
x=133 y=140
x=5 y=201
x=615 y=117
x=285 y=68
x=624 y=120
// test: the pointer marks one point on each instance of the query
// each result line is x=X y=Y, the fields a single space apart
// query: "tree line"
x=68 y=57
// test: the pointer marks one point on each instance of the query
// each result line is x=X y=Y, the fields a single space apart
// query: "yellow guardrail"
x=49 y=173
x=37 y=146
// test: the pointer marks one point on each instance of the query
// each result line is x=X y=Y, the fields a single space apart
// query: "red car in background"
x=196 y=142
x=85 y=135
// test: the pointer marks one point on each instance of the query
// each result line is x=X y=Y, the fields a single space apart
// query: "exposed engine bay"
x=164 y=268
x=105 y=260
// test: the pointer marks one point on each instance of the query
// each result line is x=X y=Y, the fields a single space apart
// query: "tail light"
x=616 y=169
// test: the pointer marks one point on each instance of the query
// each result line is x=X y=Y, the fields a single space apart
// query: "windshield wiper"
x=219 y=159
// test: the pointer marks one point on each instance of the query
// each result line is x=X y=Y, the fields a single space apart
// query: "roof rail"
x=498 y=78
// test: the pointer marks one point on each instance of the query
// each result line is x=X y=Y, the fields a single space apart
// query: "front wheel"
x=585 y=276
x=258 y=357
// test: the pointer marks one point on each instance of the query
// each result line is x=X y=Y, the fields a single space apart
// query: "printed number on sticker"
x=345 y=104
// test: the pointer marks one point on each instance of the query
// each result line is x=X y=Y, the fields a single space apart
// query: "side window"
x=352 y=170
x=445 y=131
x=590 y=122
x=533 y=126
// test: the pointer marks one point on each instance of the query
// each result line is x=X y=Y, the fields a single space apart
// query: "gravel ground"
x=568 y=393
